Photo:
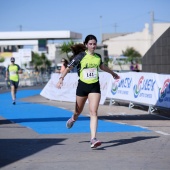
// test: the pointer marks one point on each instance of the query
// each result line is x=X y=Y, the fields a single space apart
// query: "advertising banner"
x=25 y=55
x=143 y=88
x=68 y=90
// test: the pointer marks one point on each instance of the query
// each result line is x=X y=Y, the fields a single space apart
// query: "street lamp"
x=101 y=28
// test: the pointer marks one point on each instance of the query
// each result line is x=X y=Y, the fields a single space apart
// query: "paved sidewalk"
x=22 y=148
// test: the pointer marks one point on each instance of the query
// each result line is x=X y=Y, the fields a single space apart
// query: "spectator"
x=64 y=65
x=132 y=66
x=136 y=67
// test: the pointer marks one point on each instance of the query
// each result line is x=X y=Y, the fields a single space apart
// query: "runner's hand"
x=115 y=76
x=59 y=84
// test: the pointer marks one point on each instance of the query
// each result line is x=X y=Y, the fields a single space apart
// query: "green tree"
x=36 y=61
x=66 y=48
x=132 y=54
x=2 y=59
x=45 y=62
x=106 y=60
x=40 y=62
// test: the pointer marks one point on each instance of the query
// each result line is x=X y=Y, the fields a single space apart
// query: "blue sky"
x=85 y=17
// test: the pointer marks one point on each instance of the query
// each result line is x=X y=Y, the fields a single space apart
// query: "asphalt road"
x=22 y=148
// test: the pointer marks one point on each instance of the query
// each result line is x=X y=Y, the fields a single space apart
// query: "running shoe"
x=95 y=143
x=70 y=123
x=13 y=103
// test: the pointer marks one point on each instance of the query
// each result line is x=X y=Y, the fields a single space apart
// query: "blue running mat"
x=45 y=119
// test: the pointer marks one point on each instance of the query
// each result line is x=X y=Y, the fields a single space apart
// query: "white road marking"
x=62 y=108
x=141 y=126
x=162 y=133
x=111 y=114
x=121 y=123
x=124 y=114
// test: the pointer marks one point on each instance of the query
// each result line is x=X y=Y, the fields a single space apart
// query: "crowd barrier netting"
x=26 y=79
x=33 y=79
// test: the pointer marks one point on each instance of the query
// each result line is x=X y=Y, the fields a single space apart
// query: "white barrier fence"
x=135 y=87
x=68 y=90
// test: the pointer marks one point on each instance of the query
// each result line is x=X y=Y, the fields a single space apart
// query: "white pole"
x=101 y=29
x=151 y=26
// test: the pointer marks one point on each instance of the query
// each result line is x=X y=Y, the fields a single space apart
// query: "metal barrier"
x=26 y=79
x=151 y=108
x=3 y=82
x=33 y=79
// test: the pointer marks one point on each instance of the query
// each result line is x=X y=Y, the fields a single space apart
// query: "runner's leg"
x=16 y=87
x=13 y=92
x=80 y=102
x=94 y=99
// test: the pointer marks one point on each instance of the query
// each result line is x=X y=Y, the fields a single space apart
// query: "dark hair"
x=12 y=59
x=65 y=62
x=77 y=48
x=89 y=37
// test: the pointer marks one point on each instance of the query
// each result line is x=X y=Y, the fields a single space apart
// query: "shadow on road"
x=12 y=150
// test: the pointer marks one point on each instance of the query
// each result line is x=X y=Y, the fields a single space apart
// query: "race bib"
x=90 y=73
x=13 y=72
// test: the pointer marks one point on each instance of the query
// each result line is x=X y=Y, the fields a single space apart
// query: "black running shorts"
x=84 y=89
x=14 y=83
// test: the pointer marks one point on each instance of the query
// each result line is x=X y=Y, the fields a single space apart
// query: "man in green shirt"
x=12 y=74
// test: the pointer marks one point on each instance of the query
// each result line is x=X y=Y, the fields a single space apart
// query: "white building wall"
x=18 y=42
x=22 y=35
x=141 y=41
x=51 y=51
x=159 y=29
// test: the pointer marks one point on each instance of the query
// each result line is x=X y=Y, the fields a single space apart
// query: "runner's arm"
x=19 y=69
x=7 y=74
x=106 y=69
x=60 y=81
x=76 y=60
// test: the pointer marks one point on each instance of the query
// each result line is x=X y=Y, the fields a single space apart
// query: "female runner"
x=88 y=63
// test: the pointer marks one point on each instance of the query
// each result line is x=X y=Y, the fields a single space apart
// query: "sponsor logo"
x=146 y=85
x=114 y=87
x=122 y=85
x=164 y=91
x=137 y=87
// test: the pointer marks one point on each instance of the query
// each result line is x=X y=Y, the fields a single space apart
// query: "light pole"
x=20 y=27
x=151 y=25
x=101 y=29
x=115 y=27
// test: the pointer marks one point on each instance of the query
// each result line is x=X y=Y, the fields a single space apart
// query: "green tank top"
x=89 y=68
x=13 y=72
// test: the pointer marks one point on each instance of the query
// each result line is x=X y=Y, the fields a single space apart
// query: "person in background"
x=88 y=63
x=136 y=67
x=64 y=65
x=132 y=66
x=12 y=74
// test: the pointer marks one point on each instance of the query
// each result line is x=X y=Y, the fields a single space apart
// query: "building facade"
x=157 y=58
x=12 y=42
x=140 y=41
